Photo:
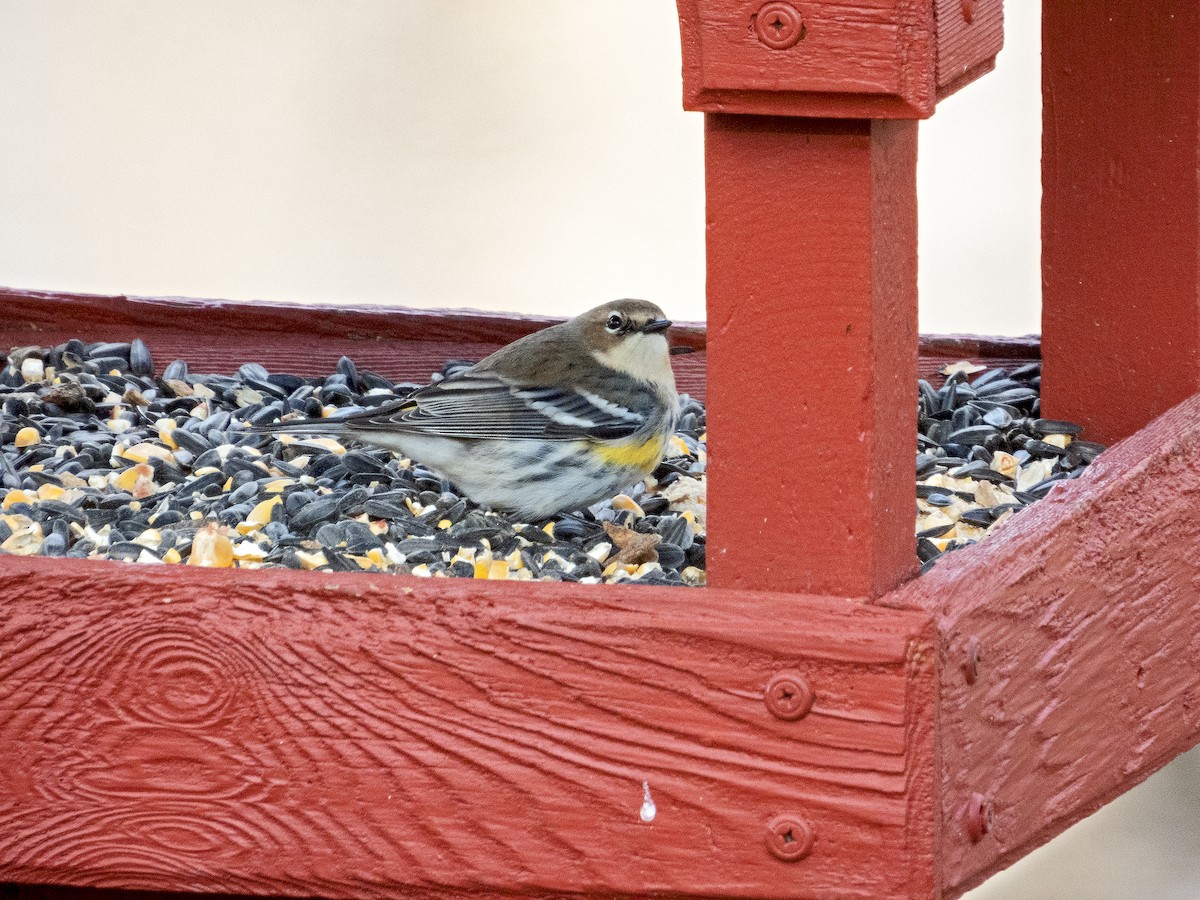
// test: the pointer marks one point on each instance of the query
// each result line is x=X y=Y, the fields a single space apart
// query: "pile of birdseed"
x=984 y=454
x=101 y=457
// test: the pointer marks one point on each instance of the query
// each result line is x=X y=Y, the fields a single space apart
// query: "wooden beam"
x=970 y=33
x=304 y=339
x=1120 y=211
x=812 y=342
x=826 y=58
x=1071 y=642
x=284 y=732
x=401 y=343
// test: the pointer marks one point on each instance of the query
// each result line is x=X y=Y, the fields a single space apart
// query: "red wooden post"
x=1120 y=211
x=812 y=314
x=812 y=249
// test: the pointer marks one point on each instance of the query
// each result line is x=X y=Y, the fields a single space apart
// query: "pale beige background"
x=528 y=155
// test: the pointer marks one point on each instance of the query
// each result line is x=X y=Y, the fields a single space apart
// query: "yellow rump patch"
x=644 y=455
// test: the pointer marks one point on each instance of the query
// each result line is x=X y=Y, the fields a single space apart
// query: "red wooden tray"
x=349 y=735
x=287 y=732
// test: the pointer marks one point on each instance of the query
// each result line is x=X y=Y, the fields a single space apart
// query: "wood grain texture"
x=856 y=60
x=395 y=341
x=1120 y=211
x=1087 y=612
x=284 y=732
x=879 y=59
x=14 y=891
x=1013 y=350
x=969 y=35
x=939 y=350
x=219 y=335
x=812 y=337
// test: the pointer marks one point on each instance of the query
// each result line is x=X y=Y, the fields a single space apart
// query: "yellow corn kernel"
x=211 y=549
x=625 y=502
x=260 y=515
x=144 y=452
x=27 y=437
x=1004 y=463
x=126 y=479
x=311 y=560
x=164 y=427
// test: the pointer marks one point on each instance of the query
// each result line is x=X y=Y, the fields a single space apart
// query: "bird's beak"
x=656 y=326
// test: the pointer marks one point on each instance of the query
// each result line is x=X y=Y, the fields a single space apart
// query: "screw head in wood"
x=972 y=657
x=788 y=695
x=778 y=25
x=979 y=818
x=789 y=837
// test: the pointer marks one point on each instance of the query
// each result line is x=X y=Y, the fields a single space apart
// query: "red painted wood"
x=855 y=60
x=882 y=59
x=278 y=731
x=969 y=35
x=995 y=351
x=939 y=350
x=398 y=342
x=812 y=338
x=14 y=891
x=1086 y=609
x=220 y=335
x=281 y=707
x=1120 y=211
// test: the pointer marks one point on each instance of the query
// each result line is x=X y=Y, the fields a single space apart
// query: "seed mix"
x=102 y=457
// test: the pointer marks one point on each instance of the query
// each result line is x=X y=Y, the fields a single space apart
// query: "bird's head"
x=630 y=336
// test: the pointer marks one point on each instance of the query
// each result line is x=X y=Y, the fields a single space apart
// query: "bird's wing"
x=484 y=405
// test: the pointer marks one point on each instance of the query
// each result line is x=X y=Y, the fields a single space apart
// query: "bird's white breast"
x=644 y=356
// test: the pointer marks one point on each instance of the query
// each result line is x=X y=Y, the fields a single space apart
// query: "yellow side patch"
x=643 y=455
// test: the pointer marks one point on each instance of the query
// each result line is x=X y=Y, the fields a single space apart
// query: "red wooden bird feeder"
x=816 y=723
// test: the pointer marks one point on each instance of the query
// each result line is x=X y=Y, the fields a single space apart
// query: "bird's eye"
x=614 y=323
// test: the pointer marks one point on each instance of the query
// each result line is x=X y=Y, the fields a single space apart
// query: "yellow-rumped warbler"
x=554 y=421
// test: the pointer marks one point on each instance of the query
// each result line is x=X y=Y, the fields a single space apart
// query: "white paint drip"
x=648 y=810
